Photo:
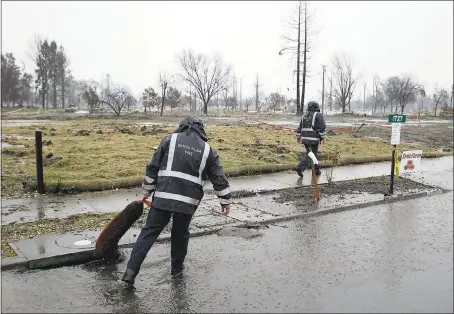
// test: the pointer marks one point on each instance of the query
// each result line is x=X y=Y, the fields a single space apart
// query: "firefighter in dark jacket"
x=176 y=176
x=311 y=131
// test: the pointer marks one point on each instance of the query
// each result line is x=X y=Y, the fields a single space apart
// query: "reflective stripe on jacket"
x=308 y=135
x=178 y=171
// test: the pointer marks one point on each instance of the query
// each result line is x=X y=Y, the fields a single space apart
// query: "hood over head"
x=190 y=123
x=313 y=106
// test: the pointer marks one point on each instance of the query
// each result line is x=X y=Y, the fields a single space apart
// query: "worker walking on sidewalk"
x=176 y=176
x=311 y=131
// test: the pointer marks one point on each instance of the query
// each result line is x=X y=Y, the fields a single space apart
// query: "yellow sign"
x=396 y=162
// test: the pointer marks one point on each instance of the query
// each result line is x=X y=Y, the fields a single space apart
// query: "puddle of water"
x=9 y=145
x=27 y=122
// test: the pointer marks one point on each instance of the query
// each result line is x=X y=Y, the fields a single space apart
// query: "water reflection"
x=40 y=208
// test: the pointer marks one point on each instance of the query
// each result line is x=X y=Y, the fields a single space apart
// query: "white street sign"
x=395 y=133
x=410 y=161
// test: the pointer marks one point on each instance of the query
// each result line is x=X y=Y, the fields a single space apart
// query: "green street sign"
x=397 y=118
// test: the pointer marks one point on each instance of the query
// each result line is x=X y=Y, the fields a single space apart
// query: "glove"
x=146 y=194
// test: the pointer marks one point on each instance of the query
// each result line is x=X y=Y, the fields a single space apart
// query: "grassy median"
x=102 y=154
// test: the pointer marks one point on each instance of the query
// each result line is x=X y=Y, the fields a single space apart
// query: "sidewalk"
x=65 y=248
x=32 y=209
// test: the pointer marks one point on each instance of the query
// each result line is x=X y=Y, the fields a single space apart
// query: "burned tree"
x=207 y=76
x=441 y=97
x=298 y=43
x=164 y=81
x=400 y=91
x=116 y=98
x=344 y=81
x=275 y=101
x=248 y=102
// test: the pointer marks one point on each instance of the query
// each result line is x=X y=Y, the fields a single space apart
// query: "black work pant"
x=157 y=220
x=304 y=162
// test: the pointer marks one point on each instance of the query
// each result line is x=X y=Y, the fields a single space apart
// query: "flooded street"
x=388 y=258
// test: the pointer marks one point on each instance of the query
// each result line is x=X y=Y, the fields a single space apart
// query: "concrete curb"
x=88 y=255
x=14 y=262
x=99 y=185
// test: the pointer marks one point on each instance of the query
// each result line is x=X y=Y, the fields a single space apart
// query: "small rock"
x=50 y=155
x=99 y=132
x=52 y=134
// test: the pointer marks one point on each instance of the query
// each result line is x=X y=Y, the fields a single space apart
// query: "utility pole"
x=241 y=91
x=331 y=93
x=298 y=103
x=365 y=97
x=257 y=94
x=323 y=89
x=303 y=89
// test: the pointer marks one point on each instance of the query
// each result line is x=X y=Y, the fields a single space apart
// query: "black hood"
x=313 y=106
x=190 y=123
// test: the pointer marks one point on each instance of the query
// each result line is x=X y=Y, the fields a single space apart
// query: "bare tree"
x=276 y=100
x=116 y=98
x=422 y=96
x=344 y=80
x=408 y=93
x=207 y=76
x=300 y=25
x=440 y=97
x=164 y=81
x=248 y=102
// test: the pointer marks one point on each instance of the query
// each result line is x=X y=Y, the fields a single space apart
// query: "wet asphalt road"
x=389 y=258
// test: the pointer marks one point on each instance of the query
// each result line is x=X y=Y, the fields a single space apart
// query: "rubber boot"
x=129 y=277
x=177 y=272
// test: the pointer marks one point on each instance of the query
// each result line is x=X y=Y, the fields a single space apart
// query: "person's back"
x=176 y=175
x=310 y=132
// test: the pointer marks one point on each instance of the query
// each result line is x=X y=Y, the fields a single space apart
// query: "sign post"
x=396 y=120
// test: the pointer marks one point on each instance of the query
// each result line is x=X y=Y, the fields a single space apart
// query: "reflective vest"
x=182 y=174
x=308 y=135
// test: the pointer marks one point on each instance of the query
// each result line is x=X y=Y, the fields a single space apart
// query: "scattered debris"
x=83 y=133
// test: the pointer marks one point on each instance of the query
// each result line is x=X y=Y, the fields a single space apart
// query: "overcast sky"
x=133 y=41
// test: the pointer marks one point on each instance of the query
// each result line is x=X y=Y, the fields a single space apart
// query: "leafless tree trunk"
x=209 y=77
x=257 y=86
x=375 y=87
x=344 y=81
x=300 y=22
x=164 y=82
x=440 y=97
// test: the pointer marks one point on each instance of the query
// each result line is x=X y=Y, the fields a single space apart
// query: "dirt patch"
x=376 y=185
x=83 y=133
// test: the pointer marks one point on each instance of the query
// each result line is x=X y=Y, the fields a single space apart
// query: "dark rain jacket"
x=312 y=126
x=179 y=168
